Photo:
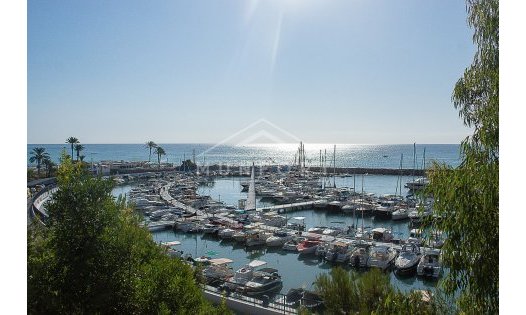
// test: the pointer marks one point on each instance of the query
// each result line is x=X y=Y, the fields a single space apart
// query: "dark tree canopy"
x=467 y=197
x=93 y=257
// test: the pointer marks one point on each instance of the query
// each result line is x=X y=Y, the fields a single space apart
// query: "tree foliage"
x=467 y=197
x=38 y=155
x=349 y=293
x=72 y=141
x=93 y=257
x=160 y=152
x=150 y=145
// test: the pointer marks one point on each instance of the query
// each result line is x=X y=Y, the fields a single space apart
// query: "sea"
x=344 y=155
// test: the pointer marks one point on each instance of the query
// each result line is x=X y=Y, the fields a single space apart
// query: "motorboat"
x=243 y=275
x=332 y=231
x=256 y=238
x=296 y=223
x=400 y=214
x=381 y=257
x=349 y=208
x=265 y=281
x=384 y=210
x=308 y=247
x=407 y=261
x=185 y=226
x=339 y=252
x=218 y=271
x=279 y=238
x=317 y=229
x=417 y=217
x=382 y=234
x=239 y=236
x=292 y=244
x=359 y=257
x=226 y=234
x=322 y=249
x=429 y=265
x=417 y=184
x=210 y=229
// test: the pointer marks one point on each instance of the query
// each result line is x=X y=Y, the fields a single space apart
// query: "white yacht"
x=400 y=214
x=417 y=184
x=381 y=257
x=429 y=265
x=407 y=260
x=265 y=281
x=243 y=275
x=279 y=238
x=339 y=252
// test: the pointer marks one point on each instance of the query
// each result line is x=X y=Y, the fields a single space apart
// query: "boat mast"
x=424 y=163
x=362 y=203
x=401 y=159
x=334 y=166
x=414 y=160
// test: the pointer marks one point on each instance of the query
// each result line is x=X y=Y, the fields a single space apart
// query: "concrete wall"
x=242 y=307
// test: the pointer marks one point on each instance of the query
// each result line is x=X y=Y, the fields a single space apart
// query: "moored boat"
x=407 y=261
x=381 y=257
x=429 y=265
x=308 y=247
x=265 y=281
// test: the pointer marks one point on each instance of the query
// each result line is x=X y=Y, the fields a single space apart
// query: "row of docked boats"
x=371 y=250
x=408 y=260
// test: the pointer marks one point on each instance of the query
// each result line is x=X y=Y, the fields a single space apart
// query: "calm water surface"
x=347 y=155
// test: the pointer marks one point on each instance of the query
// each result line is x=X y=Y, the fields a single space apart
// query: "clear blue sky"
x=337 y=71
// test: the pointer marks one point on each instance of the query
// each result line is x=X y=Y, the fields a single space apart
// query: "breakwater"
x=232 y=170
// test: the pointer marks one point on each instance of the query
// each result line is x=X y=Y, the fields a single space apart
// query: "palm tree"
x=159 y=151
x=78 y=148
x=82 y=157
x=72 y=141
x=38 y=155
x=49 y=166
x=150 y=145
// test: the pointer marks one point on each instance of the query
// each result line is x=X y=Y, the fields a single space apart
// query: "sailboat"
x=251 y=199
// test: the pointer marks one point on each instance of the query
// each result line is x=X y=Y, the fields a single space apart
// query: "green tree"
x=467 y=197
x=160 y=152
x=78 y=147
x=38 y=155
x=188 y=165
x=373 y=288
x=30 y=173
x=72 y=141
x=150 y=145
x=338 y=290
x=93 y=257
x=49 y=165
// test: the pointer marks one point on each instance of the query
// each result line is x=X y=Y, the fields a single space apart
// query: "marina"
x=205 y=217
